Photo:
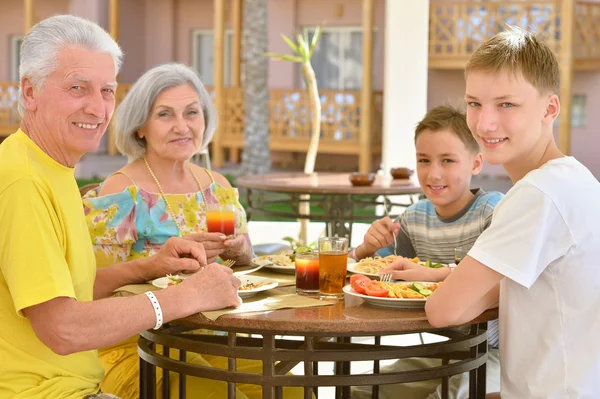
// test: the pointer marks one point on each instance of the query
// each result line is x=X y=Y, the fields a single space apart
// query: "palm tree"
x=256 y=157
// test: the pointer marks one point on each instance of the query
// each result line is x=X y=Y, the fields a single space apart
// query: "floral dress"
x=136 y=223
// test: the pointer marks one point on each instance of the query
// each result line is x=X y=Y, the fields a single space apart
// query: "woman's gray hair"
x=39 y=50
x=132 y=114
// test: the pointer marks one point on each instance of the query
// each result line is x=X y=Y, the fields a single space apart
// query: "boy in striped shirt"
x=453 y=216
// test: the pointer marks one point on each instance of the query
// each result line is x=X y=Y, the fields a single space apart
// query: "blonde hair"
x=448 y=117
x=517 y=51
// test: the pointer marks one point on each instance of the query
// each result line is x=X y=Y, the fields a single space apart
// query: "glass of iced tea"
x=307 y=273
x=220 y=219
x=333 y=259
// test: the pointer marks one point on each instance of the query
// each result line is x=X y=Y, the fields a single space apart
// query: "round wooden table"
x=338 y=200
x=314 y=327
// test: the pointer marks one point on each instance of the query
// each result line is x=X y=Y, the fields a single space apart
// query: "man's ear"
x=29 y=93
x=552 y=109
x=477 y=163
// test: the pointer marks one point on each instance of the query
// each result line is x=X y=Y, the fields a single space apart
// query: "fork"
x=385 y=210
x=386 y=278
x=228 y=263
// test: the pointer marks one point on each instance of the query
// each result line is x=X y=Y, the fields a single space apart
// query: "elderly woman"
x=165 y=119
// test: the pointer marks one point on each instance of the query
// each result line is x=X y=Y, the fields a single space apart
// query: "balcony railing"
x=457 y=29
x=289 y=118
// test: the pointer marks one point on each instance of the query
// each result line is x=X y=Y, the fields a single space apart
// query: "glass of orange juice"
x=307 y=273
x=333 y=259
x=220 y=219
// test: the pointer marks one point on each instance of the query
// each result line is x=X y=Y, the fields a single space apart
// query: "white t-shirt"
x=545 y=238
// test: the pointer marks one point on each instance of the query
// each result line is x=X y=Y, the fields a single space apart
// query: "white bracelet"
x=157 y=309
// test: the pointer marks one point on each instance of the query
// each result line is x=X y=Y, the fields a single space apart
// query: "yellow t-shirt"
x=45 y=252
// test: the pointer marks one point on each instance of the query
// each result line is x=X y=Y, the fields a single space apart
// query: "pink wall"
x=282 y=75
x=585 y=141
x=12 y=21
x=131 y=33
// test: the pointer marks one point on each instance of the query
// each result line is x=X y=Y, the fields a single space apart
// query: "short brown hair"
x=448 y=117
x=516 y=50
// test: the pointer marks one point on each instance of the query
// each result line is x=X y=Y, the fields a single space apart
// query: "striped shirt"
x=425 y=234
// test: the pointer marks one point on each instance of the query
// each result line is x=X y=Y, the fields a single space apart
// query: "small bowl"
x=401 y=173
x=362 y=179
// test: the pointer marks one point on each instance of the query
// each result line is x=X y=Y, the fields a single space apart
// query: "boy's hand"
x=380 y=235
x=407 y=270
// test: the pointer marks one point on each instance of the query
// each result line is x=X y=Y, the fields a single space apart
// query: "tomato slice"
x=359 y=285
x=356 y=277
x=374 y=289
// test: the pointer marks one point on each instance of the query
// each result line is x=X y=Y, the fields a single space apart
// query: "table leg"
x=308 y=366
x=182 y=387
x=445 y=380
x=477 y=377
x=166 y=383
x=482 y=370
x=148 y=378
x=268 y=366
x=342 y=368
x=231 y=364
x=375 y=388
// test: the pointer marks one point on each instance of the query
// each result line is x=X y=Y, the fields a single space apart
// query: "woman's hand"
x=238 y=249
x=405 y=269
x=213 y=243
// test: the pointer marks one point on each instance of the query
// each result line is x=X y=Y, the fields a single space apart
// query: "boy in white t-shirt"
x=538 y=259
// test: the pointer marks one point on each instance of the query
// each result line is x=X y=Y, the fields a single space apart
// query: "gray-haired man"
x=55 y=308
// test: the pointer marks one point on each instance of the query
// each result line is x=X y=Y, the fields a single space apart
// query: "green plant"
x=303 y=51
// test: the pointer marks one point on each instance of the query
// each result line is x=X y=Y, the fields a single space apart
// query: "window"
x=337 y=61
x=578 y=114
x=203 y=55
x=15 y=57
x=578 y=111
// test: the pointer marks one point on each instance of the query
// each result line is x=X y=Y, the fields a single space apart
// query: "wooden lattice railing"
x=288 y=123
x=587 y=31
x=457 y=29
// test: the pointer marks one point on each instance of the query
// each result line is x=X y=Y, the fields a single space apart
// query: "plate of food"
x=283 y=262
x=401 y=294
x=372 y=266
x=251 y=285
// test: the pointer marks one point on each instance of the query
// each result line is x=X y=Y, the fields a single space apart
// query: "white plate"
x=291 y=269
x=255 y=279
x=398 y=303
x=352 y=268
x=162 y=282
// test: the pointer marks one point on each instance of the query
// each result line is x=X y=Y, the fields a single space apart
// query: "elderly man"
x=55 y=307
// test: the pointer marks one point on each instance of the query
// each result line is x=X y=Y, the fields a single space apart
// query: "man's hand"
x=380 y=235
x=177 y=256
x=405 y=269
x=215 y=287
x=213 y=243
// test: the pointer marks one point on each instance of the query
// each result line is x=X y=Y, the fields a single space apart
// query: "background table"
x=332 y=192
x=345 y=319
